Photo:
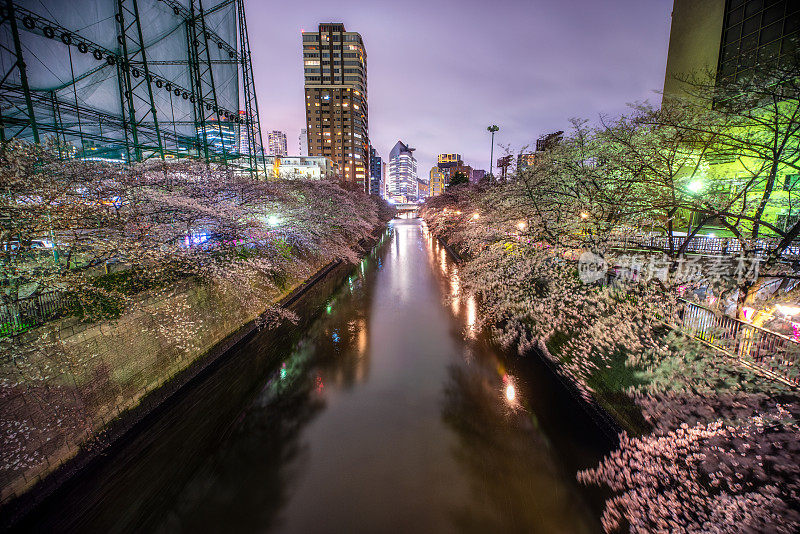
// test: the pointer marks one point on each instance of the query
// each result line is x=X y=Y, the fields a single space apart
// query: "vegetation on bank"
x=153 y=265
x=710 y=444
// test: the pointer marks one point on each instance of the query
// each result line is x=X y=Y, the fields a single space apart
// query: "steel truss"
x=141 y=129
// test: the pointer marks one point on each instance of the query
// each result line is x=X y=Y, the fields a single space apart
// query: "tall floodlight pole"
x=492 y=129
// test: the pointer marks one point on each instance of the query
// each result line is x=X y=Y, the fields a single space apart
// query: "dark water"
x=389 y=413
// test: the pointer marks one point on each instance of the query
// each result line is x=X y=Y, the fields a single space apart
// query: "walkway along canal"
x=388 y=412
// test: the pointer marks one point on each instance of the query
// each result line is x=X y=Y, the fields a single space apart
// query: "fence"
x=775 y=353
x=698 y=245
x=26 y=313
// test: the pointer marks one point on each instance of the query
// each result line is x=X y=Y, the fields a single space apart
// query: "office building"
x=375 y=172
x=401 y=183
x=445 y=161
x=477 y=175
x=276 y=141
x=335 y=64
x=726 y=38
x=525 y=161
x=438 y=181
x=423 y=189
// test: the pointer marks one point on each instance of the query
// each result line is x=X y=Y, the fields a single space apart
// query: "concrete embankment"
x=113 y=401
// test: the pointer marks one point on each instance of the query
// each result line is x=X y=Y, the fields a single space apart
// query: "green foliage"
x=458 y=178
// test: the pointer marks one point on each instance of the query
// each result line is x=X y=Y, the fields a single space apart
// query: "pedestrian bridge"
x=407 y=211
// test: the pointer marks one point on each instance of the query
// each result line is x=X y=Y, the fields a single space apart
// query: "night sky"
x=439 y=71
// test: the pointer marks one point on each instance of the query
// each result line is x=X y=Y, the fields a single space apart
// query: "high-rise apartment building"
x=728 y=37
x=276 y=140
x=335 y=63
x=401 y=183
x=375 y=172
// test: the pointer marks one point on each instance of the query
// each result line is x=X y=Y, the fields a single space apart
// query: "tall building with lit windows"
x=401 y=183
x=335 y=64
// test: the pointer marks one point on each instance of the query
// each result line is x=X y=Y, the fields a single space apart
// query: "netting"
x=88 y=64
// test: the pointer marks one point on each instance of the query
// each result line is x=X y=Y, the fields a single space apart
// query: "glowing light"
x=584 y=215
x=283 y=371
x=273 y=220
x=788 y=310
x=695 y=186
x=476 y=215
x=521 y=225
x=511 y=393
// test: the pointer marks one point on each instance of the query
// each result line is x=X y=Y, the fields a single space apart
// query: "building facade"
x=726 y=38
x=276 y=141
x=337 y=119
x=375 y=172
x=302 y=168
x=477 y=175
x=401 y=181
x=302 y=141
x=437 y=181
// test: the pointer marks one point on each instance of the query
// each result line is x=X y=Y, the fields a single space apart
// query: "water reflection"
x=382 y=416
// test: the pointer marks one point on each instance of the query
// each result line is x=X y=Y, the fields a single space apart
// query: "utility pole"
x=492 y=129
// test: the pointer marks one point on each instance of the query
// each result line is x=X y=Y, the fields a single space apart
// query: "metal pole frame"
x=252 y=119
x=129 y=64
x=7 y=15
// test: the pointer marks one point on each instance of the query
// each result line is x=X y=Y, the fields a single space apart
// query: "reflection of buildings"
x=277 y=143
x=401 y=184
x=302 y=167
x=220 y=136
x=335 y=63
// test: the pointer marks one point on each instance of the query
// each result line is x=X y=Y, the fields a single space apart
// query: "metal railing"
x=769 y=351
x=23 y=314
x=699 y=245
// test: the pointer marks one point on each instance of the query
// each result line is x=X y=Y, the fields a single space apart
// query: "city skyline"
x=445 y=78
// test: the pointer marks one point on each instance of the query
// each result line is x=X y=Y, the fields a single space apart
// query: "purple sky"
x=440 y=71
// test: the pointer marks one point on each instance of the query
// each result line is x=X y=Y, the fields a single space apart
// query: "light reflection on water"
x=383 y=417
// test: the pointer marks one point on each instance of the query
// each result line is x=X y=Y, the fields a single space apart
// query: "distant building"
x=466 y=170
x=375 y=172
x=243 y=144
x=445 y=161
x=303 y=141
x=401 y=183
x=525 y=161
x=477 y=175
x=302 y=167
x=277 y=143
x=423 y=189
x=438 y=181
x=335 y=66
x=548 y=141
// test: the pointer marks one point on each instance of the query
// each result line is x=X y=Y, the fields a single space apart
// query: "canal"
x=389 y=412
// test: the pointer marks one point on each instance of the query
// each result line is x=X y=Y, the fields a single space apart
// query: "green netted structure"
x=129 y=80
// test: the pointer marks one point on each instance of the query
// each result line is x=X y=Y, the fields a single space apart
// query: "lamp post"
x=493 y=128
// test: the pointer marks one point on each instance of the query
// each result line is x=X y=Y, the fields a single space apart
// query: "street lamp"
x=492 y=129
